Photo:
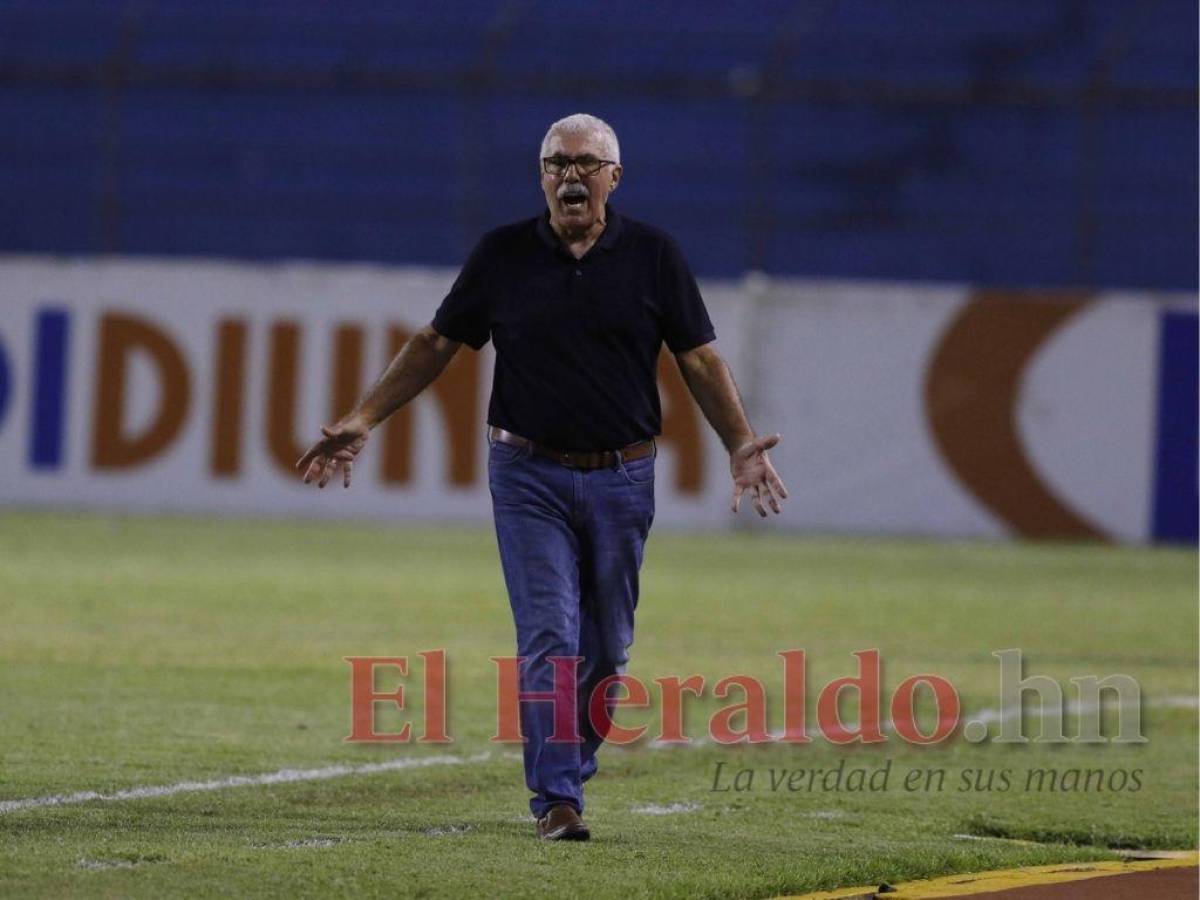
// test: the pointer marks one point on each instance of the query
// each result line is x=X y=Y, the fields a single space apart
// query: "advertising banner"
x=194 y=386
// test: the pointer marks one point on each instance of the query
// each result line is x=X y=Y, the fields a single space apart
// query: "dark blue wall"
x=991 y=141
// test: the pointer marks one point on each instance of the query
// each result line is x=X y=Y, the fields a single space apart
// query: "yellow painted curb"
x=1004 y=879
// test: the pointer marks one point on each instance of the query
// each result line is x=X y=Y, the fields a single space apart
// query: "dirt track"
x=1158 y=884
x=1148 y=875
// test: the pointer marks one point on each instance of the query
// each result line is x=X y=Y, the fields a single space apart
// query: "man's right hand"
x=337 y=449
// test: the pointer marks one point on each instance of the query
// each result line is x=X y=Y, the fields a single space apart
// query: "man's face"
x=575 y=200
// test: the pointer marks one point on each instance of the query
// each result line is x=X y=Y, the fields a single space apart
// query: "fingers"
x=314 y=468
x=767 y=441
x=336 y=450
x=306 y=460
x=777 y=485
x=315 y=451
x=324 y=468
x=764 y=494
x=344 y=460
x=756 y=446
x=772 y=498
x=328 y=470
x=758 y=504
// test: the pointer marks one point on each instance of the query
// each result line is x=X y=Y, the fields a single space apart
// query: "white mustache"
x=573 y=190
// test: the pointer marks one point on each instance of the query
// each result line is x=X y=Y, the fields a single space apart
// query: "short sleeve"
x=685 y=320
x=465 y=313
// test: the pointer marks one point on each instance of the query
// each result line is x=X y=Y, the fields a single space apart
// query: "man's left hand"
x=752 y=471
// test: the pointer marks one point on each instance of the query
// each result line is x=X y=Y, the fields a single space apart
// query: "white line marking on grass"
x=1120 y=851
x=699 y=741
x=671 y=809
x=283 y=776
x=289 y=776
x=449 y=829
x=1074 y=707
x=101 y=864
x=1183 y=701
x=989 y=837
x=988 y=716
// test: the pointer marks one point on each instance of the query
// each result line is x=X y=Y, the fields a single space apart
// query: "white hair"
x=582 y=123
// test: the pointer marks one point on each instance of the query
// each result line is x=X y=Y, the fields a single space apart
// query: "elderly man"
x=578 y=303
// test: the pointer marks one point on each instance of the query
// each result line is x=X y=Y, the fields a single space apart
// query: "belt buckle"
x=564 y=458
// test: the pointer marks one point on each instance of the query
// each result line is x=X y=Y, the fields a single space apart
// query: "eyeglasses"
x=584 y=165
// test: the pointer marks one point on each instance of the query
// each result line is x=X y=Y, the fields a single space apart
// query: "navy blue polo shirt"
x=577 y=341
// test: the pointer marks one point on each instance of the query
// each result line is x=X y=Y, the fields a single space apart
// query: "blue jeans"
x=571 y=546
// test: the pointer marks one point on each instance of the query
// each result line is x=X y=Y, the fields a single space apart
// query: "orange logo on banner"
x=120 y=337
x=457 y=393
x=225 y=448
x=971 y=392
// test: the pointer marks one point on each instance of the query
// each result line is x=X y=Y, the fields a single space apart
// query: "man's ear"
x=616 y=177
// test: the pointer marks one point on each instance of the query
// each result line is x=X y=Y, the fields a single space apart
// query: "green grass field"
x=146 y=652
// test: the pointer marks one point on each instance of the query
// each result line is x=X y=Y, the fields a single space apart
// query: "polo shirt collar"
x=607 y=240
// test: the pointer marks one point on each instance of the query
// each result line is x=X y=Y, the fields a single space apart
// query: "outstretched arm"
x=711 y=383
x=418 y=363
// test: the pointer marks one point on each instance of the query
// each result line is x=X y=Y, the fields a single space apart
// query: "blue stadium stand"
x=993 y=142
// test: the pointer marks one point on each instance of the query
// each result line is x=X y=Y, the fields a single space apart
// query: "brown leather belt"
x=576 y=459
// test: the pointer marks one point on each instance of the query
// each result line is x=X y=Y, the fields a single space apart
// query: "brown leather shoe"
x=562 y=823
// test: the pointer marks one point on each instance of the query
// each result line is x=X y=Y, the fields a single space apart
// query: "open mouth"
x=574 y=200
